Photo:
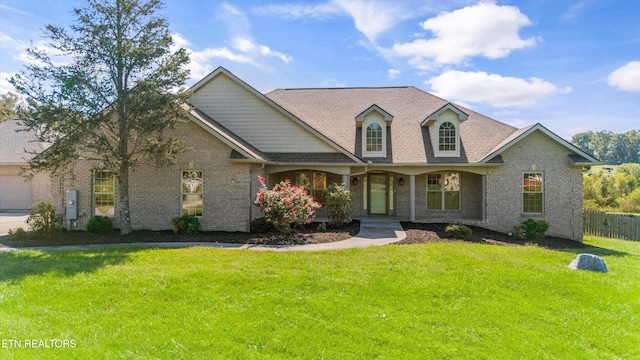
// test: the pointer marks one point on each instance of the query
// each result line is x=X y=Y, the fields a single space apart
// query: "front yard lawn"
x=428 y=301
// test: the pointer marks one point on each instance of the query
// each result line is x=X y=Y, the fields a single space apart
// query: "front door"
x=378 y=194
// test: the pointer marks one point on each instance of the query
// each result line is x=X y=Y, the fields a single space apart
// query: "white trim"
x=94 y=193
x=446 y=153
x=361 y=117
x=542 y=191
x=462 y=116
x=182 y=193
x=383 y=128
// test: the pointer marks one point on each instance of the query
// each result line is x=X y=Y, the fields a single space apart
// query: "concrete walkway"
x=372 y=233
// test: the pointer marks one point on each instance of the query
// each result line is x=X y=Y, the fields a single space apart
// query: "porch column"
x=345 y=181
x=412 y=197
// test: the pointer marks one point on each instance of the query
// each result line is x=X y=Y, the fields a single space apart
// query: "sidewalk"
x=372 y=233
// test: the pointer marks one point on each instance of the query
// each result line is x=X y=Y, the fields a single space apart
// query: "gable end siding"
x=254 y=120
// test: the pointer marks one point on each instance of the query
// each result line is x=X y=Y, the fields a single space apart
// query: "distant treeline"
x=615 y=188
x=611 y=148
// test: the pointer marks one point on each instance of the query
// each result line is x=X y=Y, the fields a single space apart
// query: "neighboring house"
x=404 y=153
x=18 y=192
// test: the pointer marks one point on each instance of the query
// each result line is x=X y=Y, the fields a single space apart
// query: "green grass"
x=439 y=301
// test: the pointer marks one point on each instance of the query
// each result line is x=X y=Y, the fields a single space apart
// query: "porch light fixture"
x=401 y=181
x=354 y=182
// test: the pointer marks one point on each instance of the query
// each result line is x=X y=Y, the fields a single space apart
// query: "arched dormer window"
x=374 y=138
x=444 y=130
x=375 y=124
x=447 y=137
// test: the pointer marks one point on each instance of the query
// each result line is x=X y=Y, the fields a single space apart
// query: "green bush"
x=44 y=219
x=518 y=233
x=99 y=224
x=18 y=233
x=322 y=226
x=339 y=204
x=186 y=224
x=458 y=231
x=530 y=229
x=260 y=226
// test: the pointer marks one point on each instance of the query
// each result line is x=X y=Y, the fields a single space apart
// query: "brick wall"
x=562 y=187
x=155 y=192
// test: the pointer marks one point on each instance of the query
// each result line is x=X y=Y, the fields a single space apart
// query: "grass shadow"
x=16 y=265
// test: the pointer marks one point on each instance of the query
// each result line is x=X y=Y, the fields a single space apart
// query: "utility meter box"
x=71 y=204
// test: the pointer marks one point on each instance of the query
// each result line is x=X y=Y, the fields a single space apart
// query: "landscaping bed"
x=418 y=233
x=308 y=234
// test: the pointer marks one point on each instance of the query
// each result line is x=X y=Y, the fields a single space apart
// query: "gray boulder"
x=589 y=262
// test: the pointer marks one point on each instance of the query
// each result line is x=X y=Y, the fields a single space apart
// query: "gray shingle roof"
x=333 y=111
x=15 y=145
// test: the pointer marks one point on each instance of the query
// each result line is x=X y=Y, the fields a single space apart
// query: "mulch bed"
x=308 y=234
x=427 y=233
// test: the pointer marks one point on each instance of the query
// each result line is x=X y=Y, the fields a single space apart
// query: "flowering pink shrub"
x=286 y=205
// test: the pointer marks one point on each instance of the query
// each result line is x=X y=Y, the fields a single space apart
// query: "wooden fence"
x=618 y=226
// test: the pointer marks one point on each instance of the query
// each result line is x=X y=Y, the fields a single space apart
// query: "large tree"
x=8 y=103
x=105 y=89
x=609 y=147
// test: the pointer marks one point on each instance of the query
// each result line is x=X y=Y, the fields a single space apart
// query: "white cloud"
x=626 y=77
x=375 y=17
x=484 y=29
x=236 y=20
x=493 y=89
x=5 y=86
x=370 y=17
x=247 y=46
x=243 y=49
x=393 y=73
x=296 y=11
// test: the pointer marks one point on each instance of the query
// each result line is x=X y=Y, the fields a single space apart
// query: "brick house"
x=404 y=153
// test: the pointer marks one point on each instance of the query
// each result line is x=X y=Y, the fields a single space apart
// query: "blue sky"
x=573 y=66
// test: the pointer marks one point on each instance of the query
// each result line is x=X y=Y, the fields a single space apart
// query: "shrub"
x=518 y=233
x=531 y=229
x=44 y=219
x=186 y=224
x=99 y=224
x=260 y=226
x=322 y=226
x=339 y=204
x=285 y=205
x=18 y=233
x=458 y=231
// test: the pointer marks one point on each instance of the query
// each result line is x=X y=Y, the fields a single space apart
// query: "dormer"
x=374 y=122
x=444 y=130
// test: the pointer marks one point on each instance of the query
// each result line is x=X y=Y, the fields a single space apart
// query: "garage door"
x=15 y=193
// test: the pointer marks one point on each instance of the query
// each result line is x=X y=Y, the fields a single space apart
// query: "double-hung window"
x=443 y=191
x=103 y=193
x=191 y=192
x=374 y=138
x=533 y=192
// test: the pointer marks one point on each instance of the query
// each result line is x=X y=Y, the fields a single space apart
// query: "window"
x=314 y=183
x=447 y=137
x=374 y=138
x=443 y=191
x=191 y=193
x=103 y=193
x=532 y=192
